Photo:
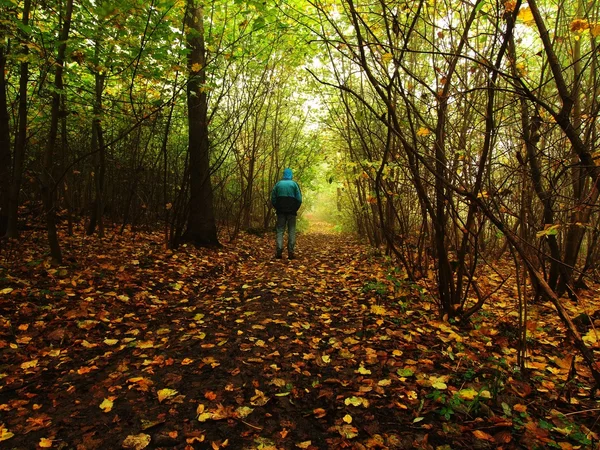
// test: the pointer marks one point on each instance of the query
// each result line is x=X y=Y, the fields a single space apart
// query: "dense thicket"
x=468 y=127
x=136 y=88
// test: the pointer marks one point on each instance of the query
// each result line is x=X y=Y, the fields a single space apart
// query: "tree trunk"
x=4 y=147
x=48 y=186
x=201 y=227
x=98 y=146
x=21 y=136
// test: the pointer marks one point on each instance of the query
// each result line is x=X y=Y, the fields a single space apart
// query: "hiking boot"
x=278 y=255
x=291 y=256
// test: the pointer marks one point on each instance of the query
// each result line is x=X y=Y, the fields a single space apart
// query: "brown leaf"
x=482 y=435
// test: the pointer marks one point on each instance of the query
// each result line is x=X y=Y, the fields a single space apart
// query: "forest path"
x=133 y=346
x=197 y=348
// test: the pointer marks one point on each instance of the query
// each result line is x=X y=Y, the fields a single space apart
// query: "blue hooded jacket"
x=286 y=197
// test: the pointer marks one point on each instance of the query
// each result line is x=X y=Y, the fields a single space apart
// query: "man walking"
x=286 y=198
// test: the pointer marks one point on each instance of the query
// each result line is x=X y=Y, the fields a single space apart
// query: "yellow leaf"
x=356 y=401
x=423 y=132
x=111 y=341
x=6 y=291
x=386 y=58
x=467 y=394
x=326 y=359
x=4 y=433
x=196 y=67
x=304 y=444
x=526 y=16
x=364 y=371
x=595 y=30
x=385 y=382
x=379 y=310
x=145 y=344
x=29 y=364
x=106 y=405
x=45 y=443
x=137 y=441
x=204 y=417
x=591 y=337
x=347 y=418
x=166 y=393
x=439 y=385
x=243 y=411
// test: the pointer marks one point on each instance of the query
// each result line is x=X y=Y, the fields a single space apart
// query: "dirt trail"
x=232 y=348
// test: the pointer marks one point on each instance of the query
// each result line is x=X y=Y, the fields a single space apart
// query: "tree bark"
x=201 y=227
x=96 y=217
x=4 y=147
x=21 y=136
x=48 y=185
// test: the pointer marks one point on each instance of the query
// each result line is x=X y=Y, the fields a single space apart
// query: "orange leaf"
x=319 y=412
x=483 y=435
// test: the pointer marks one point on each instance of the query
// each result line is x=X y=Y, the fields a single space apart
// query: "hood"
x=287 y=174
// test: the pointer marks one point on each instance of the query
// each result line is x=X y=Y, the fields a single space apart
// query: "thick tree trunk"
x=201 y=227
x=96 y=218
x=4 y=147
x=48 y=185
x=21 y=136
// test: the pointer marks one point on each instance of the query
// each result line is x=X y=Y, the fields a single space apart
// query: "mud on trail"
x=132 y=346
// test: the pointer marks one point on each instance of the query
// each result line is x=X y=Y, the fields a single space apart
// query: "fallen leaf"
x=319 y=412
x=45 y=443
x=243 y=411
x=482 y=435
x=364 y=371
x=166 y=393
x=106 y=405
x=29 y=364
x=137 y=441
x=378 y=310
x=468 y=394
x=4 y=433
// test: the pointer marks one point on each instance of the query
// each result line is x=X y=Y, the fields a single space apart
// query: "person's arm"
x=274 y=196
x=298 y=195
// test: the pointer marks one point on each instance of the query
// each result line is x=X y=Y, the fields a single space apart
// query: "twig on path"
x=581 y=412
x=252 y=426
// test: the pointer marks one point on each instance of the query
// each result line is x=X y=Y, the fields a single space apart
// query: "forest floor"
x=131 y=346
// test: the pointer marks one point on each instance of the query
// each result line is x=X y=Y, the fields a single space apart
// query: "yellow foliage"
x=526 y=16
x=579 y=25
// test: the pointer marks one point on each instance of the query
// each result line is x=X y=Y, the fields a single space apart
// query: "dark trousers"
x=284 y=220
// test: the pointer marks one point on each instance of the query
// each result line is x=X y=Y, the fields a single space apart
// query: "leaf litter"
x=132 y=346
